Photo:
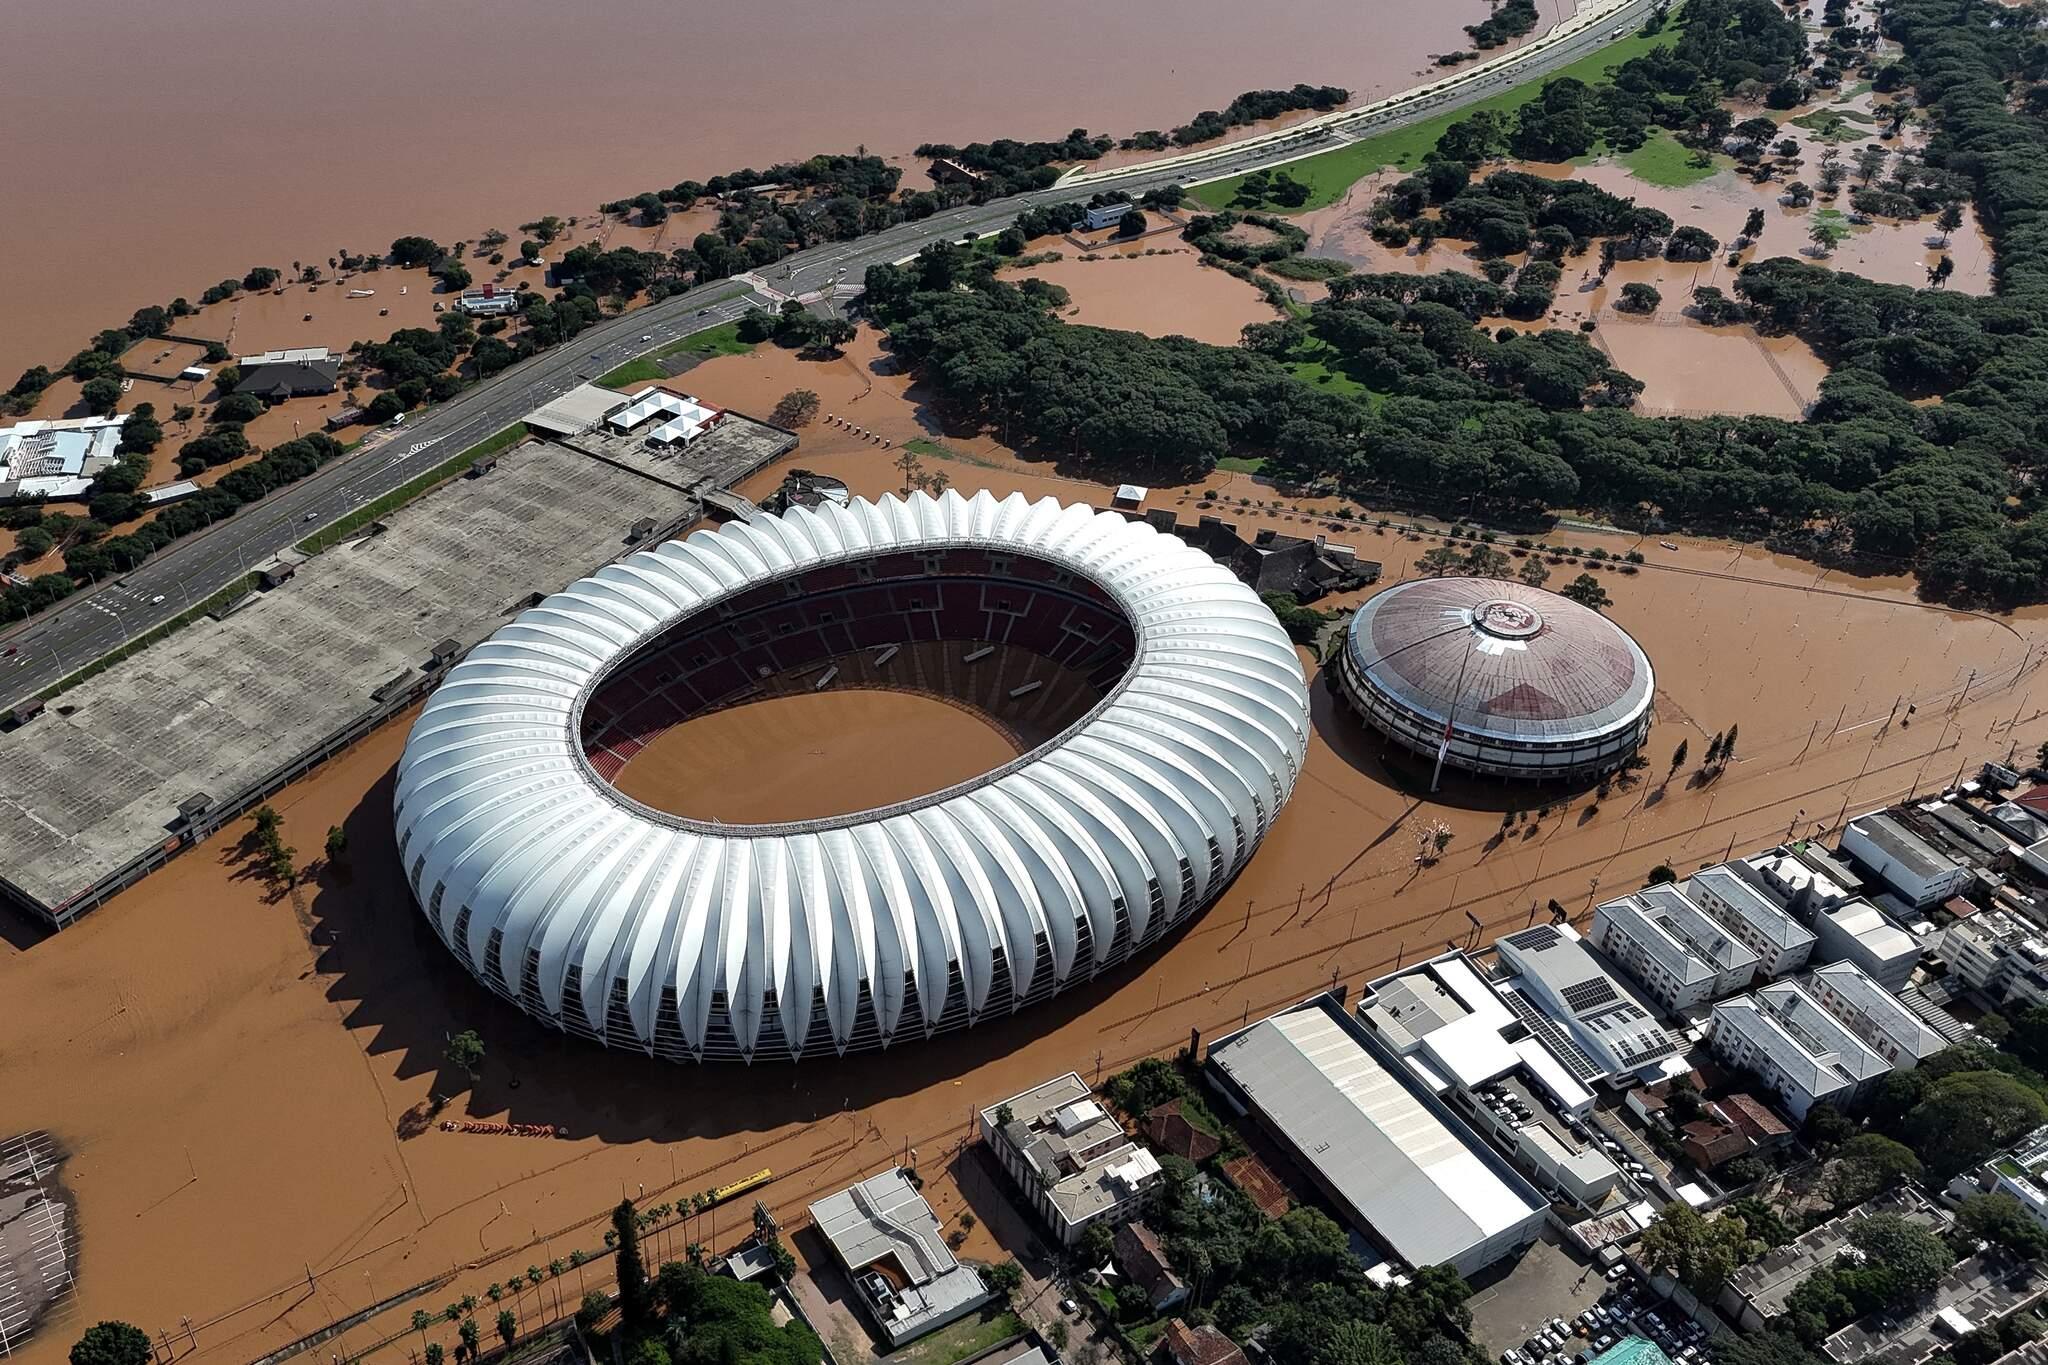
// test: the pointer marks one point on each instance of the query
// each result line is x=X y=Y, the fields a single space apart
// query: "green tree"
x=100 y=395
x=1587 y=592
x=1639 y=298
x=1912 y=1258
x=1999 y=1220
x=1678 y=756
x=466 y=1051
x=1949 y=220
x=435 y=1354
x=1534 y=571
x=470 y=1335
x=1963 y=1118
x=337 y=843
x=1702 y=1253
x=508 y=1326
x=1661 y=874
x=635 y=1304
x=112 y=1343
x=1004 y=1278
x=1866 y=1166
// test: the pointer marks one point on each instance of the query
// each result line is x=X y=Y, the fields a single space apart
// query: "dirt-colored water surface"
x=330 y=125
x=810 y=756
x=247 y=1074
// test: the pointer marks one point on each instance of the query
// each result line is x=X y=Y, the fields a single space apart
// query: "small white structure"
x=886 y=1236
x=294 y=355
x=1857 y=931
x=489 y=301
x=682 y=418
x=1128 y=497
x=1102 y=215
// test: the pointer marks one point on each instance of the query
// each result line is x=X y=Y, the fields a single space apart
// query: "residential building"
x=1069 y=1156
x=1875 y=1015
x=1915 y=871
x=1781 y=943
x=1980 y=1292
x=2020 y=1171
x=489 y=301
x=1204 y=1345
x=1999 y=954
x=299 y=372
x=884 y=1234
x=1681 y=956
x=57 y=458
x=1795 y=1047
x=1857 y=931
x=1391 y=1157
x=1143 y=1261
x=1756 y=1294
x=1570 y=1001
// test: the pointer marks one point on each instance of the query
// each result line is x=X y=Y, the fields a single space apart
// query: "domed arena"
x=1156 y=714
x=1502 y=679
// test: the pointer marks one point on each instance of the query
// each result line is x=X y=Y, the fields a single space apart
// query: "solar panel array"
x=1536 y=938
x=1583 y=997
x=1551 y=1036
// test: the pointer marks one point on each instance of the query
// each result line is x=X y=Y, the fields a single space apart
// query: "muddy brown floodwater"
x=177 y=145
x=811 y=756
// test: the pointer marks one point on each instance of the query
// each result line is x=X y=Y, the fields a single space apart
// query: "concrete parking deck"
x=95 y=782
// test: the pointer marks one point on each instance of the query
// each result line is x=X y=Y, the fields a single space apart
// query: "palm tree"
x=555 y=1269
x=471 y=1334
x=421 y=1320
x=577 y=1258
x=534 y=1276
x=508 y=1326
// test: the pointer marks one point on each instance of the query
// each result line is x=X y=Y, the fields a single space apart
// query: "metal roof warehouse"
x=1387 y=1153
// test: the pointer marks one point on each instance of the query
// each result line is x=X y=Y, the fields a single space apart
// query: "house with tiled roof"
x=1204 y=1345
x=1140 y=1256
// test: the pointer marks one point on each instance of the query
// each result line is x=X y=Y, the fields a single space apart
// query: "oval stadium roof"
x=1501 y=659
x=689 y=939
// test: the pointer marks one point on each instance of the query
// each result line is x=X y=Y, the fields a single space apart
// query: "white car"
x=157 y=600
x=647 y=336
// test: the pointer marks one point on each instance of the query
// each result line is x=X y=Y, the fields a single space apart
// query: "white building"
x=1069 y=1156
x=57 y=458
x=1781 y=943
x=2021 y=1171
x=1916 y=871
x=1388 y=1154
x=1102 y=215
x=1678 y=954
x=1857 y=931
x=1451 y=1029
x=489 y=301
x=1565 y=997
x=680 y=418
x=1795 y=1047
x=1875 y=1015
x=886 y=1237
x=1998 y=953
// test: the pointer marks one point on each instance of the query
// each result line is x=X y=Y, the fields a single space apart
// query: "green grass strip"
x=723 y=339
x=1663 y=161
x=1329 y=175
x=246 y=583
x=406 y=492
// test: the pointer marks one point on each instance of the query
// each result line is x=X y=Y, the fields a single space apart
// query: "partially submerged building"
x=884 y=1235
x=1399 y=1166
x=1069 y=1156
x=298 y=372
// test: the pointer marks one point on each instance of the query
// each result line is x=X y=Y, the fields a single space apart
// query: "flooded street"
x=202 y=142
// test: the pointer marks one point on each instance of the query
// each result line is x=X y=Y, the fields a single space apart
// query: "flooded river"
x=159 y=148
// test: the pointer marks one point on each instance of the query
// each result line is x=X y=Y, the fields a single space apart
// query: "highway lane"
x=91 y=624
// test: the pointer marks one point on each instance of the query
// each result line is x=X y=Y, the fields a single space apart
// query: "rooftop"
x=296 y=355
x=1087 y=1161
x=1632 y=1351
x=883 y=1222
x=1554 y=965
x=1750 y=905
x=1873 y=930
x=1873 y=1013
x=1429 y=1190
x=1981 y=1291
x=57 y=448
x=1673 y=932
x=1891 y=837
x=1768 y=1283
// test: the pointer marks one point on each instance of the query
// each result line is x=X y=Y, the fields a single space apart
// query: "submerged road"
x=89 y=625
